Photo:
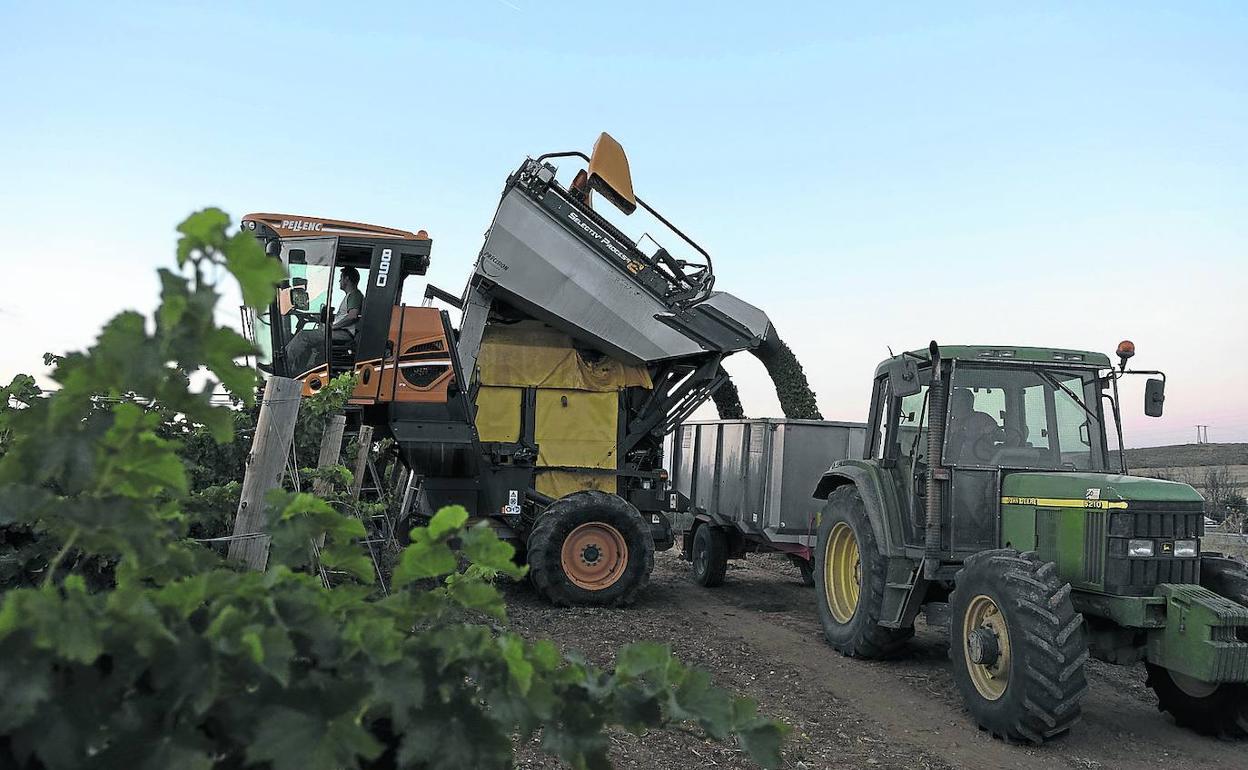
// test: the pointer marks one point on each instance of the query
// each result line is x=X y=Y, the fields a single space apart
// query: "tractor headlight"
x=1139 y=548
x=1185 y=547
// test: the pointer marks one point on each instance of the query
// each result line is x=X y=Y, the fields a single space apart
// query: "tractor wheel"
x=1017 y=646
x=849 y=573
x=710 y=555
x=1209 y=709
x=590 y=548
x=1225 y=577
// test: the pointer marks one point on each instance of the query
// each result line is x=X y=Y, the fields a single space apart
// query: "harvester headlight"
x=1139 y=548
x=1185 y=548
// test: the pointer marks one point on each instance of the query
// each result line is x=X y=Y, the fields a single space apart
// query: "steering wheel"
x=305 y=317
x=1014 y=438
x=984 y=447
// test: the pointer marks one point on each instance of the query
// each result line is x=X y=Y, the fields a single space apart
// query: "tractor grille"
x=1162 y=523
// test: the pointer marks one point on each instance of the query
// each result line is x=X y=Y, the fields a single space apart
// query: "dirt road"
x=759 y=636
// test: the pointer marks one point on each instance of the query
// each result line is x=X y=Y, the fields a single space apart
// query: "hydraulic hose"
x=936 y=400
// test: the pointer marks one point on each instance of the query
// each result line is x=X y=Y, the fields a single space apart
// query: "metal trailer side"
x=756 y=475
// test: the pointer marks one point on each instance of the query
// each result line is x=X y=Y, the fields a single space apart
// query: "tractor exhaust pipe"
x=937 y=395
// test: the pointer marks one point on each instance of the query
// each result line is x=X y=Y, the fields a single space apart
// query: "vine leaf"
x=297 y=740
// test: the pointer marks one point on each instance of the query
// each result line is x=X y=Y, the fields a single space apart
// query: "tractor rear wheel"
x=709 y=555
x=1209 y=709
x=590 y=548
x=849 y=573
x=1017 y=646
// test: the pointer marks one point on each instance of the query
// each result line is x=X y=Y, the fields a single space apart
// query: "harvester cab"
x=305 y=333
x=988 y=497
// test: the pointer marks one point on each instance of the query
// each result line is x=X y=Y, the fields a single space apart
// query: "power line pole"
x=1202 y=434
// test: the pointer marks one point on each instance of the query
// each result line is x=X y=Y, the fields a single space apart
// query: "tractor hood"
x=1091 y=490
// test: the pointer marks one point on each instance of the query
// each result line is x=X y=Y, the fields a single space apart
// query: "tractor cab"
x=1005 y=418
x=335 y=309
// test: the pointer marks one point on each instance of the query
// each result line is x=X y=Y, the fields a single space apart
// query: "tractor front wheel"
x=1017 y=646
x=1207 y=708
x=590 y=548
x=1225 y=577
x=850 y=574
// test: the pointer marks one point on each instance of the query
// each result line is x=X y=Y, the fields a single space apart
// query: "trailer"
x=748 y=483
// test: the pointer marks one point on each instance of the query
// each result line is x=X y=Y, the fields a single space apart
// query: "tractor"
x=987 y=498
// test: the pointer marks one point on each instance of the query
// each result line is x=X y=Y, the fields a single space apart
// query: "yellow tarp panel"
x=498 y=413
x=575 y=428
x=530 y=354
x=560 y=483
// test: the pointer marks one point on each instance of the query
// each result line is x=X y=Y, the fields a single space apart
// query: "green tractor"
x=986 y=498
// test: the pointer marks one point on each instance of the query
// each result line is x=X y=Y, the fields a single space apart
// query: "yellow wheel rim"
x=990 y=679
x=842 y=574
x=594 y=556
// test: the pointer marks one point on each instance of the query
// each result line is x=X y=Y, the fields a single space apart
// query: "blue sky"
x=1046 y=174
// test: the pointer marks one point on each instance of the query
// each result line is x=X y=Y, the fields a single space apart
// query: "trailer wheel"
x=1017 y=646
x=590 y=548
x=1207 y=708
x=805 y=568
x=849 y=573
x=709 y=556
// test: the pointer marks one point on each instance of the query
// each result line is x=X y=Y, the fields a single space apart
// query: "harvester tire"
x=709 y=556
x=850 y=575
x=1209 y=709
x=590 y=548
x=1017 y=645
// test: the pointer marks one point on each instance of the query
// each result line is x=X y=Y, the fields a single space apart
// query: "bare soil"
x=759 y=636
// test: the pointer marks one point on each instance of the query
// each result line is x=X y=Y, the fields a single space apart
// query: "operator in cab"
x=305 y=349
x=973 y=435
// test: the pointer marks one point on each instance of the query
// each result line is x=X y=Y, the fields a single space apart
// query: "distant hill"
x=1186 y=455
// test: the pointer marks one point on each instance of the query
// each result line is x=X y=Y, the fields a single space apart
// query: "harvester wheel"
x=590 y=548
x=709 y=556
x=849 y=573
x=1209 y=709
x=1017 y=646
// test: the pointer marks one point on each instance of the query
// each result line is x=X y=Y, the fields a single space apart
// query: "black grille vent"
x=424 y=376
x=1150 y=572
x=1163 y=523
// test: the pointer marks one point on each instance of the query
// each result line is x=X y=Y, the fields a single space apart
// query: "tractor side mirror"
x=903 y=376
x=1154 y=397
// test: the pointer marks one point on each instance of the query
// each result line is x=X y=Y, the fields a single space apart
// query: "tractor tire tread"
x=867 y=639
x=1042 y=697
